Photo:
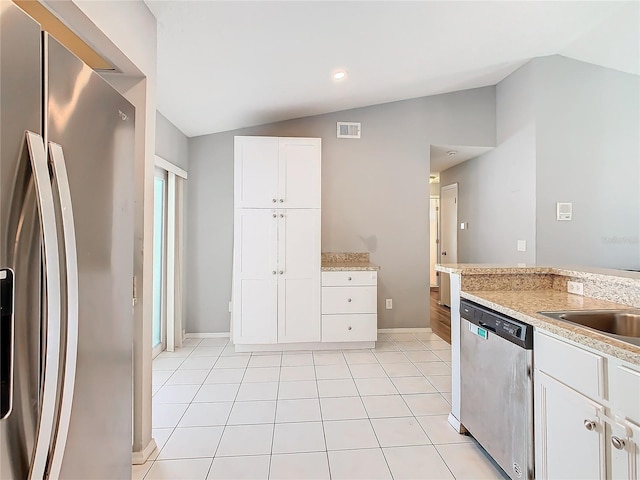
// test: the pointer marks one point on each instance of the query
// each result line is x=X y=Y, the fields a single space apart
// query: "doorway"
x=159 y=261
x=448 y=236
x=434 y=239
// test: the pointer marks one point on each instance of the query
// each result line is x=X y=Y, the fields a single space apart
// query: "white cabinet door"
x=299 y=282
x=623 y=441
x=567 y=445
x=299 y=173
x=277 y=172
x=256 y=172
x=255 y=277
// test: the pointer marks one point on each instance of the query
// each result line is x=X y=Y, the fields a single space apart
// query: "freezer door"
x=20 y=232
x=94 y=128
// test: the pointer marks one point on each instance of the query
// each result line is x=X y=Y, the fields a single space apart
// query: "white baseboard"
x=206 y=335
x=405 y=330
x=380 y=330
x=139 y=458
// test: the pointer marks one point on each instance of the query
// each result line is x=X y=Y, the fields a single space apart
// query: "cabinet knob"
x=349 y=300
x=589 y=425
x=274 y=215
x=282 y=215
x=282 y=200
x=281 y=272
x=349 y=278
x=273 y=273
x=273 y=200
x=617 y=443
x=350 y=329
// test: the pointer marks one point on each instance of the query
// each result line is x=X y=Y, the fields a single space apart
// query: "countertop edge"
x=344 y=267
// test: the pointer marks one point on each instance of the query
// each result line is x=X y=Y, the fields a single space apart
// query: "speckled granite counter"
x=521 y=292
x=336 y=262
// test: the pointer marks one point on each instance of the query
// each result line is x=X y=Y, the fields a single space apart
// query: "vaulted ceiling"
x=224 y=65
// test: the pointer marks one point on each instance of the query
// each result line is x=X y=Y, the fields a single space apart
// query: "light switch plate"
x=564 y=211
x=522 y=245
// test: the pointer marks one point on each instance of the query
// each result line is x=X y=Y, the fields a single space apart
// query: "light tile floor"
x=351 y=414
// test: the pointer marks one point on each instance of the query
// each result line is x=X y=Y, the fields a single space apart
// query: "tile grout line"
x=324 y=433
x=275 y=416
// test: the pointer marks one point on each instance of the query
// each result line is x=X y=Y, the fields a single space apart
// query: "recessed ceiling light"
x=339 y=74
x=452 y=153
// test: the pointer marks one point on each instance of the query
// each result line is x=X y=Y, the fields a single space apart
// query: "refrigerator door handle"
x=7 y=329
x=56 y=156
x=44 y=194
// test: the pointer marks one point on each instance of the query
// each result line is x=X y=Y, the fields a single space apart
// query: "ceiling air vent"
x=348 y=130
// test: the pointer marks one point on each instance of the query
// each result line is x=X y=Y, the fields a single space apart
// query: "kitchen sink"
x=621 y=324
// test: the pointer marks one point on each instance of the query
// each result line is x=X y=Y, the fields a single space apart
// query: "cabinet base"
x=288 y=347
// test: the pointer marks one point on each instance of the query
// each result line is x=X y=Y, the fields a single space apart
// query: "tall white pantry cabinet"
x=276 y=254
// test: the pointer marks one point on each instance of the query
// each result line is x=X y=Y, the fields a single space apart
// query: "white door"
x=449 y=224
x=434 y=210
x=448 y=237
x=256 y=172
x=255 y=291
x=567 y=444
x=300 y=171
x=299 y=275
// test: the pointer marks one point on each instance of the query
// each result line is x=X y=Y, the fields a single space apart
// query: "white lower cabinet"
x=569 y=436
x=349 y=306
x=276 y=284
x=586 y=417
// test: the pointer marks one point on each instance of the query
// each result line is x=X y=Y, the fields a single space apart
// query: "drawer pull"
x=349 y=300
x=611 y=439
x=273 y=200
x=590 y=425
x=274 y=215
x=281 y=272
x=349 y=278
x=273 y=272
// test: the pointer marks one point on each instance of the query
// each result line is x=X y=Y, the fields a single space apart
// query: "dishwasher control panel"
x=508 y=328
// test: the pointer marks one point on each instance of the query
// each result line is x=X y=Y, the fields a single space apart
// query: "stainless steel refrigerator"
x=66 y=262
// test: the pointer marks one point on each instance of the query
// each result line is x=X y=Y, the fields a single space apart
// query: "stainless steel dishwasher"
x=496 y=389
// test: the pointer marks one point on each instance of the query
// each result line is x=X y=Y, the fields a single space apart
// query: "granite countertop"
x=525 y=305
x=522 y=291
x=338 y=262
x=578 y=272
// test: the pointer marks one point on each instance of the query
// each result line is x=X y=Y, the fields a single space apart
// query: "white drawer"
x=350 y=277
x=350 y=328
x=349 y=300
x=577 y=368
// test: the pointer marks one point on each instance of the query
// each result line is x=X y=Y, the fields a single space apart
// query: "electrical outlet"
x=389 y=304
x=575 y=287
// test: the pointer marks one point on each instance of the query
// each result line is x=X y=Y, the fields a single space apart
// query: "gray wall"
x=588 y=153
x=171 y=143
x=375 y=198
x=496 y=191
x=567 y=131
